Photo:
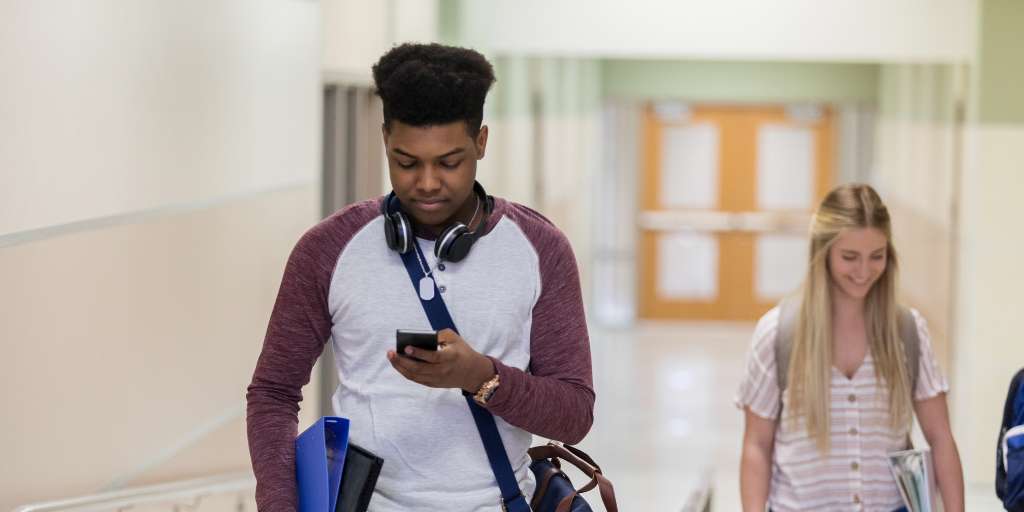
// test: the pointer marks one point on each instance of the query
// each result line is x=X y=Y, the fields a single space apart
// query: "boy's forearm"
x=560 y=408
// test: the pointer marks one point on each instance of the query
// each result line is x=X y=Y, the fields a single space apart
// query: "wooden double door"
x=726 y=196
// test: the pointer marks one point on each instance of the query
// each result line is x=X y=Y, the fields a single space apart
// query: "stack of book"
x=915 y=477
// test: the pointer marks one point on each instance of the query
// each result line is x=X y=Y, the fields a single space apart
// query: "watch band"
x=487 y=390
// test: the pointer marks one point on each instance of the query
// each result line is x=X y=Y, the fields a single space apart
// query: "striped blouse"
x=854 y=475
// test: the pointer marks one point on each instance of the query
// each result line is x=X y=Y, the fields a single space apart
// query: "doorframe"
x=353 y=168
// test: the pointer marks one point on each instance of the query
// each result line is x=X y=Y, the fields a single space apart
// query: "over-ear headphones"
x=454 y=242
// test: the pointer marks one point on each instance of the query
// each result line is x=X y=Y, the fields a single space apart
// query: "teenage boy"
x=506 y=274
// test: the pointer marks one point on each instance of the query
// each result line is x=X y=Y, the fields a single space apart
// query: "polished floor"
x=665 y=426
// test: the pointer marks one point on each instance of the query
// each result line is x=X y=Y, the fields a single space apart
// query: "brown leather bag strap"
x=555 y=452
x=542 y=487
x=606 y=490
x=607 y=493
x=594 y=478
x=566 y=503
x=585 y=464
x=590 y=485
x=551 y=451
x=581 y=454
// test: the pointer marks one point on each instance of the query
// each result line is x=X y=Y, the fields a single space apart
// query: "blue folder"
x=319 y=460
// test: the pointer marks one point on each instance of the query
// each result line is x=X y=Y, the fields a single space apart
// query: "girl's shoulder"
x=767 y=326
x=766 y=332
x=919 y=324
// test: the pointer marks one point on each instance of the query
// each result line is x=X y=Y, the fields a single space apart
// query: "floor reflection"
x=664 y=419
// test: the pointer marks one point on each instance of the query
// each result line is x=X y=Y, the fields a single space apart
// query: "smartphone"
x=426 y=340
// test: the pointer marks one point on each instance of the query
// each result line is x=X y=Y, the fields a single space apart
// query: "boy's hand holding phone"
x=453 y=365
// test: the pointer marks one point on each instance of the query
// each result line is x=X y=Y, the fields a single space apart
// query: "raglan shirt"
x=516 y=299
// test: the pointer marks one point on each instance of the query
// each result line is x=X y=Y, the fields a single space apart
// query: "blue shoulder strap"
x=512 y=498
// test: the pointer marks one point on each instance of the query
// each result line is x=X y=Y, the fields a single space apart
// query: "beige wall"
x=157 y=163
x=126 y=346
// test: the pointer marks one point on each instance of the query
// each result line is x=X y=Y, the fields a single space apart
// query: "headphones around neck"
x=454 y=242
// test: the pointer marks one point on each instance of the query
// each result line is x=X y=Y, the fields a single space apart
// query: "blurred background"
x=158 y=161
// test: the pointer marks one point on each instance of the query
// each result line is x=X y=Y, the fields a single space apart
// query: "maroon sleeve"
x=300 y=325
x=556 y=399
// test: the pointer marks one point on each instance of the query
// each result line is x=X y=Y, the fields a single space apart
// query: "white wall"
x=836 y=30
x=110 y=107
x=158 y=160
x=543 y=148
x=989 y=347
x=357 y=32
x=959 y=184
x=916 y=168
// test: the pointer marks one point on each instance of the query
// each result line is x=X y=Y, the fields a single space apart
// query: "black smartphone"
x=426 y=340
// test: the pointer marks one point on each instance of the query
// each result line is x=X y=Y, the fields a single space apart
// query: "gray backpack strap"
x=789 y=315
x=911 y=345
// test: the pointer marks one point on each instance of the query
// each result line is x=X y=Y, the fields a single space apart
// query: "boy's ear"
x=481 y=142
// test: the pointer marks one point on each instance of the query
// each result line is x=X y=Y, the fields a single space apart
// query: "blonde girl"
x=819 y=441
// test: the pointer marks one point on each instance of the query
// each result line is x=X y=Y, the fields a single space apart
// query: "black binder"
x=358 y=479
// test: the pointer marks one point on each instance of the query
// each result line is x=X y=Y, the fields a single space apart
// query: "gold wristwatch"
x=487 y=390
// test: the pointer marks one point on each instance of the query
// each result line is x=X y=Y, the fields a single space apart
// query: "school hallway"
x=159 y=161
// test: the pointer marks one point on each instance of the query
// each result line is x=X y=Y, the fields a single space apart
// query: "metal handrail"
x=700 y=500
x=190 y=492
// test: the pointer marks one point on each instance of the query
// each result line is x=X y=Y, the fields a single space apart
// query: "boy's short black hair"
x=432 y=84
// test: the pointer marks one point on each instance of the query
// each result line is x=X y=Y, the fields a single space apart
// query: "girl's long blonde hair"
x=846 y=207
